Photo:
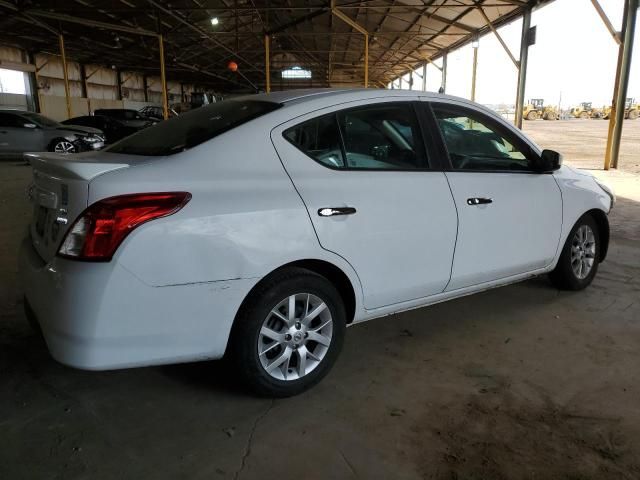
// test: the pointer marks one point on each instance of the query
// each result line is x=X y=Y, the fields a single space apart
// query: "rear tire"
x=278 y=353
x=578 y=262
x=633 y=114
x=532 y=115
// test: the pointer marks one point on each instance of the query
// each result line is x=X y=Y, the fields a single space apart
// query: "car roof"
x=304 y=95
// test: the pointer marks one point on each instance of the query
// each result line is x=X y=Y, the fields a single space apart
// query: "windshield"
x=193 y=128
x=40 y=119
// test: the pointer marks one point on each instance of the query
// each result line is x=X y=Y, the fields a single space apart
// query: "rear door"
x=510 y=216
x=364 y=177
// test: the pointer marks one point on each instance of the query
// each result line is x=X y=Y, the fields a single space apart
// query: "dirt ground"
x=522 y=382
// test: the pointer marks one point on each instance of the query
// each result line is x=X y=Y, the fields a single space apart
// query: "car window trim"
x=436 y=151
x=425 y=161
x=528 y=152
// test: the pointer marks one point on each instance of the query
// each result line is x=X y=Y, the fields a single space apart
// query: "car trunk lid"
x=59 y=192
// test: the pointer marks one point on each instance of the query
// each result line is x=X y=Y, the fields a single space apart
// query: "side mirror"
x=550 y=161
x=30 y=125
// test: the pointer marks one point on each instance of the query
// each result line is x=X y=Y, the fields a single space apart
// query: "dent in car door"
x=396 y=228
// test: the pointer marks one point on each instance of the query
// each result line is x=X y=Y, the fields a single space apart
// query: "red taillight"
x=102 y=227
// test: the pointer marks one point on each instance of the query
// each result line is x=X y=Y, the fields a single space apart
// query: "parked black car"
x=128 y=117
x=113 y=129
x=156 y=113
x=31 y=132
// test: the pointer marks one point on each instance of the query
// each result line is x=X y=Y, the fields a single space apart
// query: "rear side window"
x=380 y=137
x=320 y=139
x=11 y=120
x=192 y=128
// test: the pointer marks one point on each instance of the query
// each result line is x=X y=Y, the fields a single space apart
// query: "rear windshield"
x=192 y=128
x=40 y=119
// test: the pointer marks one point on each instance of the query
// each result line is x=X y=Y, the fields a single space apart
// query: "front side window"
x=380 y=137
x=193 y=128
x=475 y=142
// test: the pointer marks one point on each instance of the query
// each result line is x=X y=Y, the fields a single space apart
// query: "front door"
x=364 y=177
x=510 y=216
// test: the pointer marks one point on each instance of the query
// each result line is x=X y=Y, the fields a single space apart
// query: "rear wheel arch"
x=335 y=275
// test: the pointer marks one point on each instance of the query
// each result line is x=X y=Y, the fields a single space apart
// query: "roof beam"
x=63 y=17
x=495 y=32
x=607 y=22
x=199 y=30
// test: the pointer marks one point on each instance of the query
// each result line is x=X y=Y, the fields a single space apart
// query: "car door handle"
x=478 y=201
x=334 y=211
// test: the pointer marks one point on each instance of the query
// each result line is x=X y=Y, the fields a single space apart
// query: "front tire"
x=62 y=145
x=288 y=333
x=580 y=255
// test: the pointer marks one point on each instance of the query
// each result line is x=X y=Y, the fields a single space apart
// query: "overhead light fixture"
x=475 y=43
x=215 y=21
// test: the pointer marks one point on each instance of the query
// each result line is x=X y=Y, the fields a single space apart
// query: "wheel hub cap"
x=295 y=336
x=583 y=251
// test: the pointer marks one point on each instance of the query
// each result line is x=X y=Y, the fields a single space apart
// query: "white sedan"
x=260 y=227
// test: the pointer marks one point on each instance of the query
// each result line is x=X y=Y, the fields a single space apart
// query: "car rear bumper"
x=99 y=316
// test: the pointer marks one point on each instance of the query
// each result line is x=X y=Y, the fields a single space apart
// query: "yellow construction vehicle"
x=585 y=110
x=631 y=109
x=535 y=109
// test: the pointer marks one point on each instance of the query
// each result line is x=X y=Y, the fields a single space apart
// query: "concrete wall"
x=13 y=100
x=97 y=89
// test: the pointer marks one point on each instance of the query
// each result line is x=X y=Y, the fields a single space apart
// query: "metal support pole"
x=366 y=60
x=163 y=79
x=522 y=66
x=267 y=64
x=424 y=77
x=145 y=87
x=83 y=83
x=119 y=83
x=622 y=82
x=65 y=73
x=474 y=73
x=33 y=84
x=444 y=73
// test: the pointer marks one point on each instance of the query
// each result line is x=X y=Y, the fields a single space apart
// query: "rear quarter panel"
x=245 y=218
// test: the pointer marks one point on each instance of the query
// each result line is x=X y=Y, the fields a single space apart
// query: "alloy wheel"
x=295 y=336
x=64 y=147
x=583 y=251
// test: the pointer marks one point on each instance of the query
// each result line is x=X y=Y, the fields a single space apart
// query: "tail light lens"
x=102 y=227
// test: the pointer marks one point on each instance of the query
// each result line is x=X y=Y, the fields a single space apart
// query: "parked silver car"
x=31 y=132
